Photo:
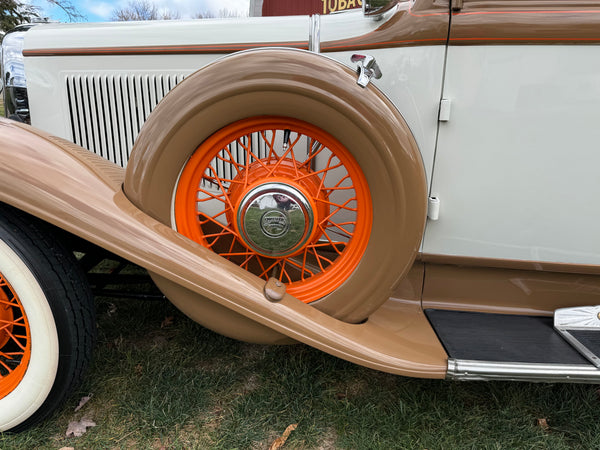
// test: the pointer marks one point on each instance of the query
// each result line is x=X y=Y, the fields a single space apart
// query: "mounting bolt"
x=274 y=290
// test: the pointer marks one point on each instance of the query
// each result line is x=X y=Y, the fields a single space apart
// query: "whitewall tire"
x=47 y=328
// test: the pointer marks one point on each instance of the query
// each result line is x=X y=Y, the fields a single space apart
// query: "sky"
x=101 y=10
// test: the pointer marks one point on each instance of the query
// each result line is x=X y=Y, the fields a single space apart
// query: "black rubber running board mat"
x=502 y=338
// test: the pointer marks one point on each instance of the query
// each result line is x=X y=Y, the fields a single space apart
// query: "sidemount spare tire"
x=277 y=160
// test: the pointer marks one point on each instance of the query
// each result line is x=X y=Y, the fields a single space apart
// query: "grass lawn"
x=161 y=381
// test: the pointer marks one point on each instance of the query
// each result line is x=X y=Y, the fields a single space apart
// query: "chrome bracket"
x=314 y=34
x=580 y=326
x=366 y=68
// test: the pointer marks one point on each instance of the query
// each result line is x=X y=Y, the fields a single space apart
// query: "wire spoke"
x=302 y=266
x=271 y=144
x=337 y=186
x=248 y=253
x=349 y=234
x=268 y=269
x=326 y=169
x=18 y=322
x=10 y=302
x=312 y=154
x=219 y=197
x=250 y=155
x=260 y=263
x=3 y=364
x=329 y=239
x=247 y=261
x=210 y=219
x=336 y=205
x=283 y=157
x=223 y=190
x=284 y=272
x=10 y=355
x=318 y=260
x=238 y=167
x=15 y=340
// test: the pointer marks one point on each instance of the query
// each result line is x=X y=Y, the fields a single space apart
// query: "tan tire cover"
x=323 y=92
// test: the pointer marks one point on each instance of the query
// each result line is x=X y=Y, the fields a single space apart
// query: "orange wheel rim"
x=15 y=339
x=281 y=198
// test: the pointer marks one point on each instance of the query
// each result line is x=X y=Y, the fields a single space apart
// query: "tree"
x=16 y=12
x=223 y=13
x=142 y=10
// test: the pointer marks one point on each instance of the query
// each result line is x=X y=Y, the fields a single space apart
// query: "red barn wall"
x=301 y=7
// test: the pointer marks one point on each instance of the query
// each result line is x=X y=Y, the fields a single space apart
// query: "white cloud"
x=101 y=9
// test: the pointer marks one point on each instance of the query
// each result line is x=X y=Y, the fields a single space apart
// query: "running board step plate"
x=580 y=326
x=483 y=346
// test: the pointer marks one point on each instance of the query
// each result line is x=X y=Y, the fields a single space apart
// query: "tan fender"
x=315 y=89
x=81 y=193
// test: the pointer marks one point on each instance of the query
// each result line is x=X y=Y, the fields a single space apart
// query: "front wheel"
x=47 y=324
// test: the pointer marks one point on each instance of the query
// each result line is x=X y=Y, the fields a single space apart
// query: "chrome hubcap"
x=275 y=219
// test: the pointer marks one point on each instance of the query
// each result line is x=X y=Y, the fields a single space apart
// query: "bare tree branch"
x=222 y=13
x=143 y=10
x=71 y=11
x=16 y=12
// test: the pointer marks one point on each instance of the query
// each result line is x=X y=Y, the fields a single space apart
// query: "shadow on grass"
x=182 y=386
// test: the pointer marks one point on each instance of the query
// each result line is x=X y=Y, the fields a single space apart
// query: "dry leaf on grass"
x=543 y=424
x=82 y=402
x=67 y=448
x=112 y=308
x=78 y=429
x=280 y=441
x=167 y=322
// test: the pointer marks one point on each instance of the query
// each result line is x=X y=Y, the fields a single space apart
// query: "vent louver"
x=108 y=111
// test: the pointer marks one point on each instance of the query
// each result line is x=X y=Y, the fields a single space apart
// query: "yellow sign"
x=330 y=6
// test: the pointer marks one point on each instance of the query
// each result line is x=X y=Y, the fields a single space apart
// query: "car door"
x=516 y=164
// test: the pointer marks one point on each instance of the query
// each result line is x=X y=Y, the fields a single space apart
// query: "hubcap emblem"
x=275 y=219
x=274 y=223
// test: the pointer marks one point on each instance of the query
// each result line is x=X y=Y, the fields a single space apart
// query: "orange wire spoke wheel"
x=281 y=198
x=15 y=339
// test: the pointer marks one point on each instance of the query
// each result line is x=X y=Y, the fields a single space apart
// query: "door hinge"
x=433 y=208
x=445 y=106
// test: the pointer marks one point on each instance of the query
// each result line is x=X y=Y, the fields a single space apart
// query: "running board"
x=483 y=346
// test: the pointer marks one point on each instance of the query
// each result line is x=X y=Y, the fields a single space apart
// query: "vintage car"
x=412 y=188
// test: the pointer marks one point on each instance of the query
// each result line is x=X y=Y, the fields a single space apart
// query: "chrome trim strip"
x=314 y=34
x=547 y=373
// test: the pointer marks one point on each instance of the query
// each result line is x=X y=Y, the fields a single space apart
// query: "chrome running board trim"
x=512 y=371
